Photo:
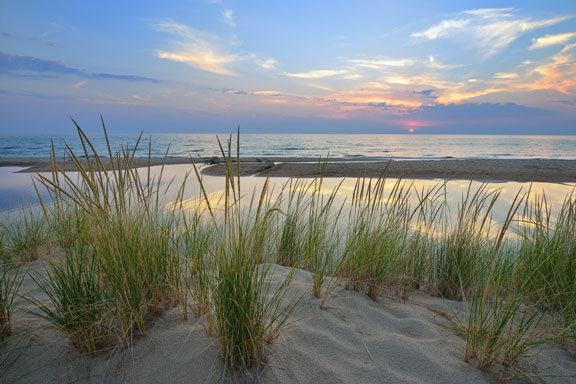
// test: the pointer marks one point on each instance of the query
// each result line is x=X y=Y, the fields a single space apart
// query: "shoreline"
x=522 y=170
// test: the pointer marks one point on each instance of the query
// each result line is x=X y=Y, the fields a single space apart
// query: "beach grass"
x=126 y=258
x=11 y=276
x=121 y=265
x=26 y=236
x=376 y=237
x=245 y=309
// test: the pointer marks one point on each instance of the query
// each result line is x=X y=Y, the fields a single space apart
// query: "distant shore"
x=524 y=170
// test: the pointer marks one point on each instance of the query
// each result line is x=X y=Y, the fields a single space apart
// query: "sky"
x=188 y=66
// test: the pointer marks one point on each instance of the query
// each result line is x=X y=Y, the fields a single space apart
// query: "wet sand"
x=524 y=170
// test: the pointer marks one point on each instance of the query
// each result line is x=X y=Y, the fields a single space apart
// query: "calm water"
x=281 y=145
x=17 y=189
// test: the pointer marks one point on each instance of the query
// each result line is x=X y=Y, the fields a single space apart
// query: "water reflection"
x=16 y=189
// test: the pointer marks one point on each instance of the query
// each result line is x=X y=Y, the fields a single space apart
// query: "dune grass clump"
x=79 y=305
x=417 y=256
x=11 y=277
x=26 y=236
x=246 y=310
x=500 y=326
x=547 y=259
x=464 y=248
x=320 y=237
x=376 y=237
x=290 y=243
x=197 y=245
x=121 y=265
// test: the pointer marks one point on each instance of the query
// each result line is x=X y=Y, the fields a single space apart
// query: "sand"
x=352 y=340
x=524 y=170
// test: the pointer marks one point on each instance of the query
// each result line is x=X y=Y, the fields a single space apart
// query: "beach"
x=231 y=192
x=396 y=322
x=524 y=170
x=352 y=338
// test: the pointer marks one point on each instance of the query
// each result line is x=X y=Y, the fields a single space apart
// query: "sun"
x=411 y=130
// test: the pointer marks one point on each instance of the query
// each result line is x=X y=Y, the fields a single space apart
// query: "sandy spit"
x=353 y=339
x=524 y=170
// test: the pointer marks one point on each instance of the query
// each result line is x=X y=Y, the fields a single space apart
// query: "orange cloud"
x=274 y=101
x=456 y=97
x=559 y=75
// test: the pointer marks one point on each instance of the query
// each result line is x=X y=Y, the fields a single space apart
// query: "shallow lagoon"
x=17 y=189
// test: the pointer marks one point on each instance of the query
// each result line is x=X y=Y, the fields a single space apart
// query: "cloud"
x=204 y=51
x=252 y=92
x=505 y=75
x=458 y=96
x=268 y=63
x=319 y=74
x=558 y=74
x=14 y=64
x=571 y=103
x=195 y=49
x=549 y=40
x=427 y=93
x=478 y=111
x=228 y=17
x=80 y=84
x=442 y=29
x=379 y=64
x=490 y=29
x=263 y=62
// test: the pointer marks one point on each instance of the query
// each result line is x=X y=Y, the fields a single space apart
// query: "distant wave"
x=336 y=146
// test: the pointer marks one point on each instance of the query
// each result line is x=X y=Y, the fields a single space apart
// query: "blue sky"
x=302 y=66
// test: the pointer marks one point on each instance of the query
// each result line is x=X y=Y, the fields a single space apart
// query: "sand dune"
x=353 y=339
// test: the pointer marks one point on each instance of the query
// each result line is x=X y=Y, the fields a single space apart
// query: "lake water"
x=407 y=146
x=17 y=189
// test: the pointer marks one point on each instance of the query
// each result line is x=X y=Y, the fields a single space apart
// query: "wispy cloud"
x=80 y=84
x=379 y=64
x=558 y=74
x=262 y=62
x=228 y=17
x=490 y=29
x=505 y=75
x=15 y=64
x=267 y=63
x=205 y=51
x=445 y=28
x=549 y=40
x=196 y=49
x=319 y=74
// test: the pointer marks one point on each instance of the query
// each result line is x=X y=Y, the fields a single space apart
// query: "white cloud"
x=262 y=62
x=204 y=51
x=319 y=74
x=505 y=75
x=228 y=17
x=549 y=40
x=490 y=29
x=435 y=64
x=267 y=63
x=196 y=49
x=379 y=64
x=442 y=29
